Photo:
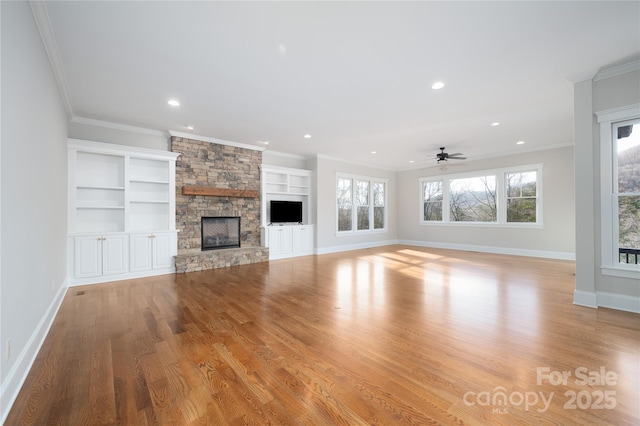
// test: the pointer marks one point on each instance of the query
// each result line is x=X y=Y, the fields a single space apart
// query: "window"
x=362 y=199
x=378 y=205
x=432 y=200
x=521 y=196
x=509 y=196
x=627 y=170
x=620 y=191
x=345 y=204
x=361 y=204
x=473 y=199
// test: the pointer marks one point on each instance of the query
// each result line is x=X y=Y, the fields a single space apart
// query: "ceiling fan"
x=444 y=156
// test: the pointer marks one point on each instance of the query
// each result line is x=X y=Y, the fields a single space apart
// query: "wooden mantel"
x=211 y=191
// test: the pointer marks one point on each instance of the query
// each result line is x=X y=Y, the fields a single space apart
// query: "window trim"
x=501 y=198
x=354 y=206
x=608 y=227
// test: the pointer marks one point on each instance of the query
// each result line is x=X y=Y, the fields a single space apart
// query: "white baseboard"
x=120 y=277
x=618 y=301
x=15 y=378
x=559 y=255
x=359 y=246
x=289 y=255
x=585 y=298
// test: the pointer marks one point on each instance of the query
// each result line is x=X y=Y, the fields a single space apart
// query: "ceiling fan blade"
x=457 y=158
x=457 y=153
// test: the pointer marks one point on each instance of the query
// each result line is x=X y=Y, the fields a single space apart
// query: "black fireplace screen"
x=220 y=232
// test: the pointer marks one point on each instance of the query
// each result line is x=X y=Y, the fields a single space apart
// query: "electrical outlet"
x=8 y=349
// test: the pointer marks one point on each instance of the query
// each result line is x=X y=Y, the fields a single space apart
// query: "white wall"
x=274 y=158
x=555 y=239
x=33 y=192
x=325 y=170
x=593 y=288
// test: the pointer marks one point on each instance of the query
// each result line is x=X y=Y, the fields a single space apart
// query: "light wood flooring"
x=385 y=336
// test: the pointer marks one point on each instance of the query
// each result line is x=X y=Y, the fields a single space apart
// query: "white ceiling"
x=357 y=76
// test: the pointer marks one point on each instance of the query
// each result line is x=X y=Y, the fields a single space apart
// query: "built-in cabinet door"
x=115 y=257
x=141 y=252
x=88 y=256
x=302 y=238
x=98 y=255
x=280 y=240
x=152 y=251
x=164 y=250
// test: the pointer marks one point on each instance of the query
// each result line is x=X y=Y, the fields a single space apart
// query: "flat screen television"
x=286 y=211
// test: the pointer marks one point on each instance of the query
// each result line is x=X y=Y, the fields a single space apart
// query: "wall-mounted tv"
x=286 y=211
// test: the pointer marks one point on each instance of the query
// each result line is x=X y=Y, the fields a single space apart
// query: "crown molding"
x=605 y=73
x=118 y=126
x=582 y=76
x=40 y=15
x=214 y=140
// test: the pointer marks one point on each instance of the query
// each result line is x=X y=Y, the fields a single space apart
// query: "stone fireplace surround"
x=204 y=163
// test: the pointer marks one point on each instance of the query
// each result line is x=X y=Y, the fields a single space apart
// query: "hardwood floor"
x=385 y=336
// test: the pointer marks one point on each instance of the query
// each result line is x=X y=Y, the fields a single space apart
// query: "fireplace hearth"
x=220 y=232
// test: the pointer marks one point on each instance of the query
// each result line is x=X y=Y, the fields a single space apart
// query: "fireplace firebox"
x=220 y=232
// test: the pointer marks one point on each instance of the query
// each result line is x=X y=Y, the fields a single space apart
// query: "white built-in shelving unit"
x=121 y=211
x=287 y=184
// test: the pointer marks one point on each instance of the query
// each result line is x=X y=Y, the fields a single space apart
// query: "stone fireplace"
x=220 y=232
x=223 y=181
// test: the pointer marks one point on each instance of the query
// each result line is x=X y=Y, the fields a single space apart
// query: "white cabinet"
x=152 y=251
x=279 y=241
x=286 y=184
x=288 y=241
x=302 y=239
x=99 y=255
x=117 y=191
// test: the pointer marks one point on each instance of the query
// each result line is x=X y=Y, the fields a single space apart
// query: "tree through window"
x=473 y=199
x=522 y=196
x=498 y=196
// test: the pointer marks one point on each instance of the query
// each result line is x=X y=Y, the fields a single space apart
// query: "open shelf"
x=120 y=189
x=145 y=170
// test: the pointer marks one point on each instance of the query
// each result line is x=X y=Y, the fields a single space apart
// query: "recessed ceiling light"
x=412 y=161
x=173 y=102
x=520 y=143
x=494 y=124
x=374 y=152
x=437 y=85
x=190 y=127
x=265 y=142
x=307 y=136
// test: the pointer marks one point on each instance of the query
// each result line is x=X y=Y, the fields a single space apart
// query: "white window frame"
x=501 y=197
x=354 y=205
x=610 y=264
